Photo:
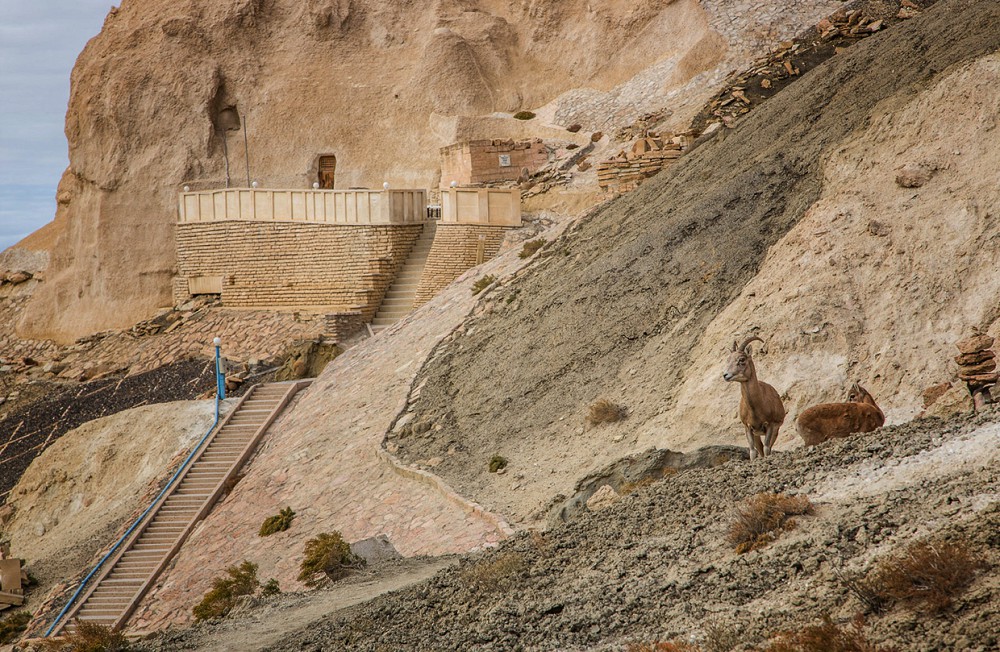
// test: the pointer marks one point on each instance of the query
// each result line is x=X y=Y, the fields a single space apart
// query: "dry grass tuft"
x=492 y=574
x=497 y=463
x=662 y=646
x=277 y=523
x=758 y=519
x=13 y=626
x=927 y=577
x=530 y=247
x=604 y=411
x=483 y=283
x=88 y=637
x=826 y=637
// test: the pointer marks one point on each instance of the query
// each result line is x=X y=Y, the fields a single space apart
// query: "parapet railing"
x=488 y=206
x=311 y=206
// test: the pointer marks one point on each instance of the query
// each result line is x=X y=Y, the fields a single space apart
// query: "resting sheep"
x=829 y=420
x=761 y=410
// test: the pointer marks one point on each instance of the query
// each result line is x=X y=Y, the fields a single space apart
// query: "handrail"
x=166 y=488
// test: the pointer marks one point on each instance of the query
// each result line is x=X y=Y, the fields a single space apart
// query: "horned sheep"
x=828 y=420
x=761 y=409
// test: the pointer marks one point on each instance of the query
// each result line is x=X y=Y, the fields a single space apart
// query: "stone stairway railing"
x=129 y=574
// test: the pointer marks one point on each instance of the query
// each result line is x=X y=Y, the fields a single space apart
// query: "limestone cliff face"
x=379 y=85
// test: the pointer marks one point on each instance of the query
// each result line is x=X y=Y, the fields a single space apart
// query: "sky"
x=39 y=43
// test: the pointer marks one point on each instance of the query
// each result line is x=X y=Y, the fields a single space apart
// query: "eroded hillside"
x=791 y=226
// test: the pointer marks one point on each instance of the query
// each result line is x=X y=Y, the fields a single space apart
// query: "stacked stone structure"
x=647 y=157
x=977 y=367
x=491 y=161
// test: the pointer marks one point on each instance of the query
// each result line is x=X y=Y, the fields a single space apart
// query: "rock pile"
x=647 y=157
x=977 y=367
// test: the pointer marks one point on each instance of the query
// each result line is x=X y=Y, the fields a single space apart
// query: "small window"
x=327 y=170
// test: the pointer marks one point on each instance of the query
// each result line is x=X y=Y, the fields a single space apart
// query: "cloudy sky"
x=39 y=42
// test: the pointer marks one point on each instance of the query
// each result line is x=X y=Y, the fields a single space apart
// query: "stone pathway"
x=322 y=460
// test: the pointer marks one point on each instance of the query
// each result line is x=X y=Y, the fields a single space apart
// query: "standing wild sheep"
x=761 y=410
x=829 y=420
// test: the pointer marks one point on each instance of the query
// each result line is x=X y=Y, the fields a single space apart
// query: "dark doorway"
x=327 y=169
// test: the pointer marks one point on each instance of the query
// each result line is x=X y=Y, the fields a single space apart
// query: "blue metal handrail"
x=220 y=382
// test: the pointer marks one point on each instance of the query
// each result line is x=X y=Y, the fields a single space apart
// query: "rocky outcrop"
x=379 y=85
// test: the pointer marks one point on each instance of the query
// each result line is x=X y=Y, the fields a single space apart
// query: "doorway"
x=327 y=170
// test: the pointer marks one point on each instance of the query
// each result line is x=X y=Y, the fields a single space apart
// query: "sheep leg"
x=750 y=443
x=770 y=437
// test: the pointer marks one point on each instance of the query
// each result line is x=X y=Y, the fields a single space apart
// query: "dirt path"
x=263 y=626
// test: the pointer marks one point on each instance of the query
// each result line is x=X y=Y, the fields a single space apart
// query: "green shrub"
x=483 y=283
x=327 y=556
x=270 y=588
x=221 y=599
x=524 y=115
x=278 y=523
x=13 y=626
x=530 y=247
x=497 y=462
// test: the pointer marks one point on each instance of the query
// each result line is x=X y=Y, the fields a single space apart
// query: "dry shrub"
x=483 y=283
x=329 y=557
x=758 y=519
x=826 y=637
x=530 y=247
x=88 y=637
x=604 y=411
x=720 y=639
x=221 y=599
x=662 y=646
x=277 y=523
x=13 y=626
x=491 y=574
x=524 y=115
x=497 y=463
x=927 y=577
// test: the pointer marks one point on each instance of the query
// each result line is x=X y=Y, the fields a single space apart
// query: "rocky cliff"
x=380 y=86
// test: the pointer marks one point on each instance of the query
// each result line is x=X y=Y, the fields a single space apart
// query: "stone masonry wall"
x=478 y=161
x=334 y=268
x=456 y=250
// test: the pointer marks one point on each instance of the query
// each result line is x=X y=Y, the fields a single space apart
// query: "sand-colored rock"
x=379 y=85
x=71 y=499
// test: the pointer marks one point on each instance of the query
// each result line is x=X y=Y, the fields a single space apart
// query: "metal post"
x=220 y=377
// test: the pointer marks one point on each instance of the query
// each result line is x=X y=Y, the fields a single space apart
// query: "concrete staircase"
x=398 y=301
x=115 y=592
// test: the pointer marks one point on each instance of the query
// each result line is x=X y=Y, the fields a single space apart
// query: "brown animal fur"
x=828 y=420
x=761 y=409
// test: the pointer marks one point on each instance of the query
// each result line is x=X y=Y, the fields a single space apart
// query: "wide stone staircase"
x=398 y=301
x=125 y=578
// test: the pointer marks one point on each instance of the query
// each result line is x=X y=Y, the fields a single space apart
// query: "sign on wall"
x=505 y=160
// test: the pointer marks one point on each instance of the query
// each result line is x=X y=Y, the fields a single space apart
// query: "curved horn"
x=743 y=347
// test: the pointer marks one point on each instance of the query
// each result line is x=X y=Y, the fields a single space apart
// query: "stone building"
x=490 y=161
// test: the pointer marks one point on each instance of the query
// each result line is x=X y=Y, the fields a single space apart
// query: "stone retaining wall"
x=307 y=266
x=456 y=249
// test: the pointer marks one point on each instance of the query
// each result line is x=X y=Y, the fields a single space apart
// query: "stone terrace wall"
x=456 y=250
x=478 y=161
x=336 y=268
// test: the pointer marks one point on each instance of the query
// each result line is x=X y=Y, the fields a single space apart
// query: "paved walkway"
x=321 y=459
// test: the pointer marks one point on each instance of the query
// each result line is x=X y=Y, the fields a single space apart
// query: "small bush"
x=524 y=115
x=13 y=626
x=327 y=556
x=758 y=519
x=497 y=462
x=530 y=247
x=277 y=523
x=826 y=637
x=604 y=411
x=927 y=577
x=88 y=637
x=483 y=283
x=221 y=599
x=270 y=588
x=492 y=574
